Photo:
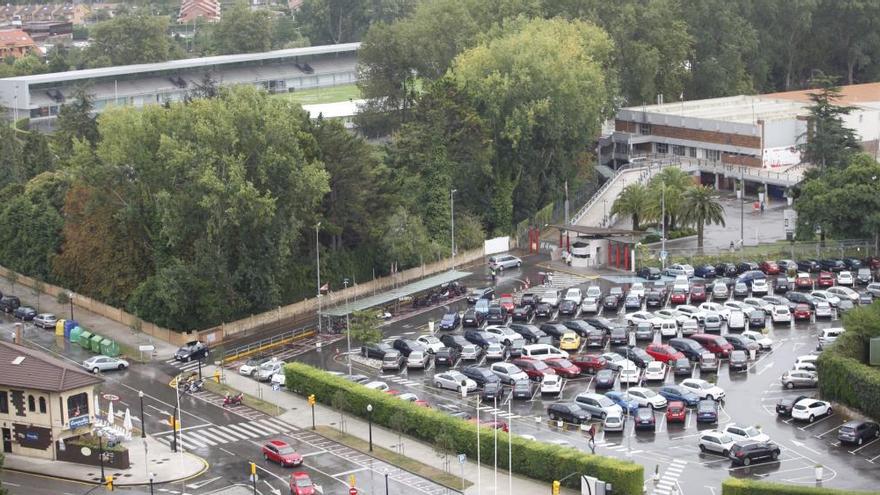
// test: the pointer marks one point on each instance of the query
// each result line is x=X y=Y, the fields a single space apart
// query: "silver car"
x=471 y=352
x=716 y=442
x=614 y=421
x=104 y=363
x=598 y=405
x=45 y=320
x=418 y=359
x=264 y=374
x=799 y=378
x=452 y=380
x=503 y=261
x=719 y=291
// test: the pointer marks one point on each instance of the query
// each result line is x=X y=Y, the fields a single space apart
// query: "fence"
x=555 y=212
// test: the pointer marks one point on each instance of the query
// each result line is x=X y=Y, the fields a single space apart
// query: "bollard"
x=559 y=423
x=537 y=420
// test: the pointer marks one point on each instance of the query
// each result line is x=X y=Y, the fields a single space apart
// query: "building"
x=40 y=96
x=207 y=10
x=16 y=43
x=341 y=110
x=43 y=402
x=68 y=12
x=761 y=131
x=48 y=31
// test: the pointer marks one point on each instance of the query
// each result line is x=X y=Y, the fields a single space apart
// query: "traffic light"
x=556 y=485
x=253 y=469
x=110 y=483
x=312 y=400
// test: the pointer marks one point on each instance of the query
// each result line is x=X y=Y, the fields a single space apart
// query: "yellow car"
x=570 y=341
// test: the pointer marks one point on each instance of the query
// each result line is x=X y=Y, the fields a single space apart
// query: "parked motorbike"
x=233 y=400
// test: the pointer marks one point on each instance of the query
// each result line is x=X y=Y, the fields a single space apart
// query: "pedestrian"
x=492 y=272
x=762 y=207
x=550 y=279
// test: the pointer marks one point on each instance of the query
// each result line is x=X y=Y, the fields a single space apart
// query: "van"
x=708 y=362
x=715 y=344
x=542 y=352
x=829 y=336
x=736 y=321
x=668 y=328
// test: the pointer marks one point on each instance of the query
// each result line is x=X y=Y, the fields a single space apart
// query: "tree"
x=828 y=143
x=406 y=240
x=39 y=287
x=632 y=201
x=130 y=39
x=76 y=122
x=783 y=27
x=242 y=30
x=700 y=207
x=444 y=444
x=344 y=21
x=365 y=327
x=667 y=190
x=340 y=402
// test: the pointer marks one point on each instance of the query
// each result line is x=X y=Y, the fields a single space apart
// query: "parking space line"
x=829 y=431
x=814 y=423
x=863 y=446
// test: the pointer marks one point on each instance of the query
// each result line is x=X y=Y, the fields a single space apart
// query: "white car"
x=760 y=287
x=574 y=294
x=637 y=317
x=419 y=359
x=590 y=305
x=104 y=363
x=702 y=388
x=736 y=320
x=823 y=295
x=716 y=442
x=655 y=371
x=844 y=293
x=267 y=369
x=508 y=373
x=542 y=352
x=550 y=297
x=759 y=303
x=594 y=291
x=780 y=314
x=617 y=362
x=807 y=358
x=708 y=307
x=614 y=422
x=689 y=311
x=822 y=309
x=278 y=379
x=738 y=306
x=551 y=384
x=377 y=385
x=668 y=328
x=637 y=289
x=763 y=341
x=647 y=397
x=630 y=374
x=845 y=278
x=431 y=343
x=45 y=320
x=810 y=409
x=681 y=282
x=804 y=366
x=671 y=314
x=745 y=433
x=675 y=270
x=408 y=397
x=505 y=334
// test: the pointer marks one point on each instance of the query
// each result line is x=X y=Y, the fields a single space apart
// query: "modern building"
x=207 y=10
x=16 y=43
x=43 y=401
x=41 y=96
x=761 y=131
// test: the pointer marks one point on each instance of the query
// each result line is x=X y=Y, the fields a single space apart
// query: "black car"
x=472 y=318
x=450 y=321
x=554 y=329
x=746 y=453
x=375 y=351
x=496 y=315
x=476 y=294
x=611 y=303
x=515 y=348
x=757 y=318
x=858 y=432
x=801 y=298
x=832 y=265
x=605 y=379
x=480 y=338
x=492 y=391
x=649 y=273
x=619 y=336
x=25 y=313
x=653 y=299
x=644 y=419
x=681 y=367
x=530 y=333
x=568 y=307
x=635 y=354
x=809 y=266
x=784 y=406
x=568 y=412
x=725 y=270
x=689 y=347
x=521 y=390
x=528 y=299
x=747 y=266
x=852 y=264
x=707 y=411
x=596 y=338
x=480 y=375
x=523 y=313
x=406 y=346
x=543 y=310
x=579 y=327
x=781 y=285
x=192 y=350
x=738 y=342
x=454 y=341
x=8 y=304
x=447 y=356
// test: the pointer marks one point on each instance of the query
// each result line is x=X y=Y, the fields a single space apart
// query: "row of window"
x=690 y=151
x=31 y=403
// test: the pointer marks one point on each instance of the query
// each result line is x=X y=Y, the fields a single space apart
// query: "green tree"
x=406 y=240
x=130 y=39
x=340 y=402
x=701 y=207
x=668 y=188
x=828 y=143
x=365 y=327
x=76 y=122
x=242 y=30
x=783 y=27
x=847 y=37
x=344 y=21
x=632 y=201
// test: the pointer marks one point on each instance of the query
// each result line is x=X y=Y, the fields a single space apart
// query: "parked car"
x=716 y=442
x=864 y=276
x=45 y=320
x=567 y=411
x=25 y=313
x=644 y=419
x=605 y=379
x=745 y=433
x=740 y=289
x=266 y=370
x=810 y=409
x=649 y=273
x=418 y=359
x=454 y=380
x=629 y=374
x=479 y=337
x=653 y=299
x=632 y=301
x=703 y=389
x=590 y=305
x=8 y=304
x=191 y=350
x=680 y=269
x=663 y=352
x=681 y=367
x=750 y=452
x=769 y=267
x=676 y=412
x=647 y=397
x=476 y=294
x=832 y=265
x=504 y=335
x=707 y=411
x=741 y=343
x=599 y=406
x=568 y=307
x=450 y=321
x=698 y=293
x=780 y=314
x=564 y=367
x=809 y=266
x=825 y=279
x=725 y=270
x=781 y=285
x=479 y=375
x=715 y=344
x=472 y=352
x=492 y=391
x=591 y=363
x=846 y=278
x=528 y=299
x=655 y=371
x=521 y=390
x=252 y=365
x=709 y=362
x=407 y=346
x=530 y=333
x=614 y=422
x=504 y=261
x=536 y=370
x=523 y=313
x=472 y=318
x=799 y=378
x=704 y=271
x=447 y=356
x=785 y=405
x=508 y=373
x=679 y=393
x=454 y=341
x=690 y=348
x=619 y=336
x=720 y=291
x=858 y=432
x=644 y=331
x=679 y=296
x=431 y=343
x=104 y=363
x=627 y=403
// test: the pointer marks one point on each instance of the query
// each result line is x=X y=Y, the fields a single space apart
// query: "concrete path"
x=597 y=211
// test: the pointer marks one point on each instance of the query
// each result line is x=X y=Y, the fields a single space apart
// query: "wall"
x=699 y=135
x=496 y=245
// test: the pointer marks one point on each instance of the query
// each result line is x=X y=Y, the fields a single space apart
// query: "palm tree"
x=632 y=201
x=675 y=181
x=700 y=207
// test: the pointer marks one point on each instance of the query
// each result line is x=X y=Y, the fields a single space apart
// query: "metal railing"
x=268 y=343
x=789 y=177
x=595 y=197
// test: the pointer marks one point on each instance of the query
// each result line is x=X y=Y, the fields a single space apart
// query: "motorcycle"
x=233 y=400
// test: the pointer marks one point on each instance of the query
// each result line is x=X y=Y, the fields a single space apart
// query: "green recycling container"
x=109 y=348
x=74 y=334
x=95 y=343
x=84 y=339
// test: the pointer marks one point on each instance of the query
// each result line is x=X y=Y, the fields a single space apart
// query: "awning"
x=395 y=294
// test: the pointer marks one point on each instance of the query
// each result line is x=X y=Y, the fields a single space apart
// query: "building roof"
x=597 y=232
x=40 y=371
x=854 y=94
x=206 y=9
x=743 y=109
x=338 y=109
x=395 y=294
x=183 y=64
x=12 y=38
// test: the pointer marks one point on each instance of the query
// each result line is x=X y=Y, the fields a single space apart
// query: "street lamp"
x=143 y=424
x=347 y=325
x=370 y=423
x=452 y=220
x=386 y=482
x=318 y=265
x=151 y=482
x=100 y=435
x=70 y=300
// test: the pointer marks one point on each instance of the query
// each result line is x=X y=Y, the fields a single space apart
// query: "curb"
x=567 y=271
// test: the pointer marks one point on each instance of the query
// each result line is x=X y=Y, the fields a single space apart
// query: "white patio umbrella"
x=126 y=423
x=97 y=405
x=110 y=418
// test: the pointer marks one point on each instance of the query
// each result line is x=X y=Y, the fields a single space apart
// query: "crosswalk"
x=490 y=413
x=242 y=410
x=562 y=280
x=204 y=436
x=402 y=380
x=183 y=366
x=669 y=479
x=615 y=447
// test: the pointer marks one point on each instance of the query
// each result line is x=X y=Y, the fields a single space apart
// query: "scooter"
x=196 y=386
x=233 y=400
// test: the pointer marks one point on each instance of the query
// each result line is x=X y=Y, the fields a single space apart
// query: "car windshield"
x=448 y=318
x=303 y=482
x=563 y=363
x=286 y=450
x=648 y=393
x=494 y=348
x=703 y=385
x=751 y=431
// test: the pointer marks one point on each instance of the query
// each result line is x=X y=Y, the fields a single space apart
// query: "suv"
x=191 y=350
x=9 y=303
x=747 y=452
x=476 y=294
x=502 y=261
x=496 y=315
x=858 y=432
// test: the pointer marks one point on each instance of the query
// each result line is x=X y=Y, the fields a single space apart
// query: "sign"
x=431 y=327
x=85 y=451
x=32 y=436
x=110 y=397
x=462 y=458
x=663 y=255
x=352 y=491
x=78 y=421
x=146 y=348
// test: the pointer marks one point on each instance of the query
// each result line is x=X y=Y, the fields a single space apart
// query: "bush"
x=735 y=486
x=530 y=458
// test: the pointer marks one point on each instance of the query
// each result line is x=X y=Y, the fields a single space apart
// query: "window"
x=662 y=148
x=714 y=155
x=678 y=150
x=4 y=403
x=42 y=405
x=644 y=129
x=32 y=404
x=78 y=405
x=692 y=152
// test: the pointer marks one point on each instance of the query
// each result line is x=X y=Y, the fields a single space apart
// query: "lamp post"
x=370 y=423
x=143 y=424
x=742 y=212
x=347 y=325
x=70 y=301
x=101 y=453
x=318 y=265
x=386 y=482
x=452 y=221
x=151 y=482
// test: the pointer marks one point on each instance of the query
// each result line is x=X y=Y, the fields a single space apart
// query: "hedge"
x=530 y=458
x=848 y=381
x=736 y=486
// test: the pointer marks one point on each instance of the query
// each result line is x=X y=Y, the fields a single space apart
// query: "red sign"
x=352 y=491
x=110 y=397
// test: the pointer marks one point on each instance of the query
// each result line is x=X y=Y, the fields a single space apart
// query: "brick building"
x=207 y=10
x=15 y=43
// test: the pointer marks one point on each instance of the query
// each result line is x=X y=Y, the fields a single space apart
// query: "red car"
x=488 y=423
x=676 y=412
x=563 y=367
x=588 y=362
x=803 y=282
x=698 y=293
x=422 y=403
x=826 y=279
x=802 y=312
x=679 y=296
x=301 y=484
x=282 y=453
x=534 y=368
x=769 y=267
x=506 y=302
x=663 y=352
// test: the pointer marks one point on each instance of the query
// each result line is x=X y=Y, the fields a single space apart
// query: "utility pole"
x=347 y=325
x=742 y=210
x=318 y=264
x=452 y=220
x=663 y=227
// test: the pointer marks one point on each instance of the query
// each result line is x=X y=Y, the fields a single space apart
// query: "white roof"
x=334 y=110
x=744 y=109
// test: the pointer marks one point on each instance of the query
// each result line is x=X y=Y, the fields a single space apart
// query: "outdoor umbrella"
x=110 y=418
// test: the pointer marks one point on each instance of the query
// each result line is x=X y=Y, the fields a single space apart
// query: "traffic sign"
x=663 y=255
x=110 y=397
x=462 y=458
x=352 y=491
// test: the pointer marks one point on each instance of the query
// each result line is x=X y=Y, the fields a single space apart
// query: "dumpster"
x=68 y=326
x=59 y=329
x=84 y=337
x=95 y=343
x=109 y=348
x=75 y=332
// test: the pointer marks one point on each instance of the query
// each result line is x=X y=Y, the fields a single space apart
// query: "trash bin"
x=60 y=331
x=83 y=339
x=73 y=336
x=95 y=343
x=109 y=348
x=69 y=325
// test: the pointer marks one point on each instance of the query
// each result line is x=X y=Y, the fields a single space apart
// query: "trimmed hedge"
x=848 y=381
x=530 y=458
x=736 y=486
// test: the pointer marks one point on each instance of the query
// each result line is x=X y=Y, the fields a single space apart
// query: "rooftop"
x=395 y=294
x=15 y=37
x=854 y=94
x=334 y=110
x=39 y=371
x=743 y=109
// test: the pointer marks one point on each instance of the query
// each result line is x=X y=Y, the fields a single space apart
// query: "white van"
x=542 y=352
x=668 y=328
x=736 y=321
x=829 y=335
x=681 y=282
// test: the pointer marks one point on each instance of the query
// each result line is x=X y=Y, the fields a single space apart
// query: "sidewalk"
x=298 y=414
x=165 y=465
x=95 y=323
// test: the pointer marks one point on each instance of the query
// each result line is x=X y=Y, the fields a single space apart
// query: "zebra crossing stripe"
x=213 y=435
x=189 y=440
x=281 y=424
x=200 y=437
x=242 y=431
x=274 y=427
x=232 y=433
x=260 y=431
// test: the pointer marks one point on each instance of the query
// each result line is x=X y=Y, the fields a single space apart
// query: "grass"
x=429 y=472
x=332 y=94
x=249 y=400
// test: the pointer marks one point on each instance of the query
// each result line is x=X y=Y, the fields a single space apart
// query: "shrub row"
x=735 y=486
x=848 y=381
x=530 y=458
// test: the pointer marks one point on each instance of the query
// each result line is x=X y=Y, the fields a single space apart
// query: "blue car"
x=674 y=392
x=450 y=321
x=707 y=411
x=619 y=398
x=704 y=271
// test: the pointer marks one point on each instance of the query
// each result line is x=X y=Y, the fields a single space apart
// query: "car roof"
x=278 y=443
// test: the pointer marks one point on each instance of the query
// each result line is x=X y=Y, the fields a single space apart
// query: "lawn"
x=331 y=94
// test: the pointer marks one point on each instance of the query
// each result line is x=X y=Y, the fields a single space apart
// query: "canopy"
x=395 y=294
